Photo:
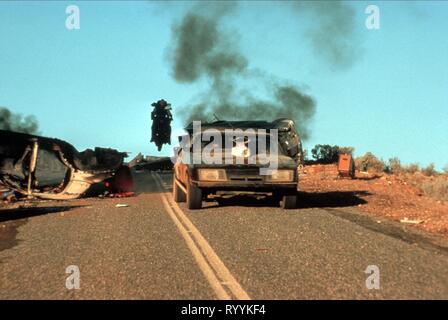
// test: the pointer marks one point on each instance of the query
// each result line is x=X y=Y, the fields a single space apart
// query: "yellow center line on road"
x=208 y=261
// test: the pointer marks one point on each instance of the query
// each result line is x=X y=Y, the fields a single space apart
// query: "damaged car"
x=49 y=168
x=241 y=168
x=151 y=163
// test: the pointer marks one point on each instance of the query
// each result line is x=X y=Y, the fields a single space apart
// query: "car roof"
x=254 y=124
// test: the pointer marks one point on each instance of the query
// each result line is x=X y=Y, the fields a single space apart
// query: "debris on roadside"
x=137 y=159
x=150 y=163
x=122 y=195
x=406 y=220
x=8 y=196
x=121 y=205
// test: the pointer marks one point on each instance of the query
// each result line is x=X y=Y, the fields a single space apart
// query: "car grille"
x=252 y=174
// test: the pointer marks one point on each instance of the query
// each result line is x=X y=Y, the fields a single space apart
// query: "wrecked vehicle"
x=49 y=168
x=155 y=164
x=194 y=181
x=150 y=163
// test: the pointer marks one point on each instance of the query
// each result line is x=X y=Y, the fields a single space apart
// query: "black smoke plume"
x=288 y=102
x=16 y=122
x=201 y=50
x=332 y=31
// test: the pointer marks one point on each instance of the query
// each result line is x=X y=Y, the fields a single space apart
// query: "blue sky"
x=94 y=86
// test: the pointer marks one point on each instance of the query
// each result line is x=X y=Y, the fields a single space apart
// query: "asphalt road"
x=239 y=248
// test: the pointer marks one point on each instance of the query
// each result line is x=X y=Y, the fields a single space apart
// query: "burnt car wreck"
x=194 y=181
x=53 y=169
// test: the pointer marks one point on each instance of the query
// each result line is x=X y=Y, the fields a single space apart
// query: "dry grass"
x=411 y=168
x=429 y=170
x=437 y=187
x=368 y=162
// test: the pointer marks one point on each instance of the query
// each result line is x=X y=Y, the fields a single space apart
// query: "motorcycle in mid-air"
x=161 y=123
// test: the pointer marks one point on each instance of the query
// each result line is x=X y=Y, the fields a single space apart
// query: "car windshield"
x=224 y=142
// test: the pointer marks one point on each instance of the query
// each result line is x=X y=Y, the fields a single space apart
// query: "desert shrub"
x=429 y=170
x=346 y=150
x=412 y=168
x=324 y=153
x=394 y=166
x=445 y=169
x=369 y=162
x=436 y=188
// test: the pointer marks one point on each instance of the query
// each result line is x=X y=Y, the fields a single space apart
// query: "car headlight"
x=282 y=175
x=212 y=174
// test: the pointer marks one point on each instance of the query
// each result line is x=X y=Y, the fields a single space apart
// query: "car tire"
x=289 y=201
x=194 y=197
x=178 y=194
x=277 y=198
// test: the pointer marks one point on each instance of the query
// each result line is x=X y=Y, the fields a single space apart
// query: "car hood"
x=284 y=162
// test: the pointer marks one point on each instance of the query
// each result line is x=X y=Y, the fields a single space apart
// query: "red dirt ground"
x=391 y=196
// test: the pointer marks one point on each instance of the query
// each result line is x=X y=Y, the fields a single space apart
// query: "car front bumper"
x=246 y=185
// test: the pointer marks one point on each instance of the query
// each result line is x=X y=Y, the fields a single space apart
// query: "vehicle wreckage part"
x=122 y=181
x=179 y=192
x=7 y=195
x=194 y=197
x=32 y=167
x=79 y=183
x=212 y=174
